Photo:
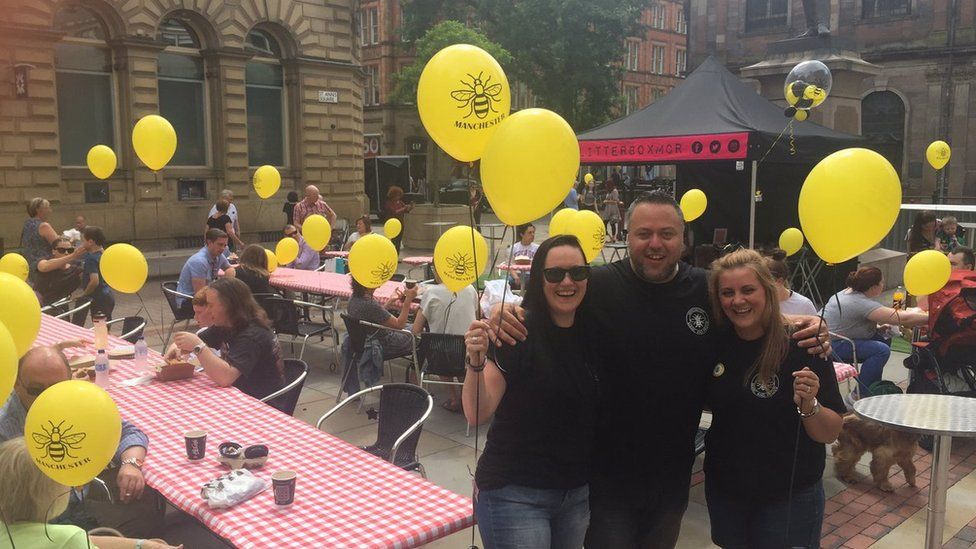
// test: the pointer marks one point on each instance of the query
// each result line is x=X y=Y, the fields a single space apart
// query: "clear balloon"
x=848 y=203
x=101 y=161
x=807 y=85
x=462 y=96
x=529 y=165
x=124 y=268
x=154 y=141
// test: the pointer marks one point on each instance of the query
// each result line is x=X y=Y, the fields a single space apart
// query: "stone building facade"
x=903 y=70
x=655 y=61
x=244 y=82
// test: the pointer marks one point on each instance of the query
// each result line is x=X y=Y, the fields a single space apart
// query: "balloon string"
x=494 y=260
x=477 y=387
x=6 y=528
x=46 y=513
x=150 y=319
x=788 y=126
x=792 y=138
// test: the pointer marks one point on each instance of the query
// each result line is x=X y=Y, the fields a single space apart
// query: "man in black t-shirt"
x=648 y=322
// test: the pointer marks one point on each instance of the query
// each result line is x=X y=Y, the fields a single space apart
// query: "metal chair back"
x=132 y=327
x=286 y=398
x=170 y=293
x=282 y=313
x=441 y=355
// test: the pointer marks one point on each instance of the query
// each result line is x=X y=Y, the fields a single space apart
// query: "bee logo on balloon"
x=478 y=97
x=383 y=271
x=599 y=238
x=461 y=264
x=57 y=443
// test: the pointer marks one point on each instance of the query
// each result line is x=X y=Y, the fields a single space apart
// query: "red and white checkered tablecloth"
x=519 y=268
x=334 y=254
x=325 y=283
x=345 y=497
x=418 y=260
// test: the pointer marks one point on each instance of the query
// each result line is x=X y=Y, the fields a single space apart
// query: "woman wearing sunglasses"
x=532 y=479
x=59 y=275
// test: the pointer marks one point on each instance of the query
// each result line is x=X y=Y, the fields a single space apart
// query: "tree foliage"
x=438 y=37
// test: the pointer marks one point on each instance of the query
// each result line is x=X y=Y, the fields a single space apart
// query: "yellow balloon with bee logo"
x=588 y=228
x=372 y=260
x=72 y=431
x=462 y=96
x=460 y=256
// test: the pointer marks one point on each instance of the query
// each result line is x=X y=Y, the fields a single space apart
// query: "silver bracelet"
x=813 y=412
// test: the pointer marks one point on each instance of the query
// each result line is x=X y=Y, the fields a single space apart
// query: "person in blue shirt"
x=94 y=288
x=203 y=267
x=572 y=199
x=136 y=513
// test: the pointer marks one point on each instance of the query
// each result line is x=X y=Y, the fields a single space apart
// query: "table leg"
x=935 y=521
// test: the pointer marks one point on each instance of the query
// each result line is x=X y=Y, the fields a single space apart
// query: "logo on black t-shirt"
x=718 y=370
x=697 y=320
x=764 y=389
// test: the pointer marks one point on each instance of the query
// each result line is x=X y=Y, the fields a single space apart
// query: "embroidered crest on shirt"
x=764 y=389
x=719 y=370
x=697 y=320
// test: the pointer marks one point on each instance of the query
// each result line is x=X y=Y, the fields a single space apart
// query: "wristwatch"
x=133 y=461
x=197 y=348
x=140 y=544
x=813 y=411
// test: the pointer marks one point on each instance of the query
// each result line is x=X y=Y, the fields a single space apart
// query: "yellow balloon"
x=8 y=361
x=693 y=204
x=317 y=232
x=457 y=262
x=463 y=95
x=848 y=203
x=72 y=431
x=154 y=141
x=267 y=181
x=588 y=178
x=101 y=161
x=287 y=250
x=272 y=260
x=20 y=311
x=938 y=153
x=801 y=115
x=392 y=227
x=14 y=264
x=529 y=165
x=927 y=272
x=124 y=268
x=560 y=221
x=372 y=260
x=589 y=229
x=791 y=240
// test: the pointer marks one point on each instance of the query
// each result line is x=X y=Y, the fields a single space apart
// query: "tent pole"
x=752 y=208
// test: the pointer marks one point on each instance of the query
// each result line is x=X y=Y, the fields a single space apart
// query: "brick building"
x=244 y=83
x=652 y=64
x=915 y=85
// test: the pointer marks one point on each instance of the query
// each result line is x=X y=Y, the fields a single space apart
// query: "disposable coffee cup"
x=196 y=445
x=283 y=484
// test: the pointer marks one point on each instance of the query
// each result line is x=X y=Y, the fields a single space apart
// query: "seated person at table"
x=790 y=302
x=136 y=511
x=250 y=357
x=362 y=306
x=202 y=267
x=59 y=275
x=854 y=314
x=445 y=312
x=524 y=248
x=28 y=497
x=253 y=270
x=308 y=259
x=363 y=228
x=93 y=285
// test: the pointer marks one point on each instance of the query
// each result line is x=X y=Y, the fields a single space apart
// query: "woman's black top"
x=56 y=284
x=219 y=222
x=749 y=446
x=543 y=429
x=258 y=283
x=254 y=351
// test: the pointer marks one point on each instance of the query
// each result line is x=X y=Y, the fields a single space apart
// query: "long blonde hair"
x=27 y=494
x=776 y=339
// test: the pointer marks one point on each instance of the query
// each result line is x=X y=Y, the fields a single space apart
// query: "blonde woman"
x=28 y=499
x=774 y=408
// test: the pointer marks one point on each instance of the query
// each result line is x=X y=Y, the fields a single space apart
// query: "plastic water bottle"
x=898 y=299
x=101 y=369
x=100 y=328
x=142 y=355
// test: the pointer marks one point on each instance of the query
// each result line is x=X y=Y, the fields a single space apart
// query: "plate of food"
x=173 y=370
x=122 y=352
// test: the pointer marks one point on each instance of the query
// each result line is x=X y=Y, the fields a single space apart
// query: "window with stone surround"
x=873 y=9
x=631 y=57
x=765 y=14
x=659 y=16
x=680 y=61
x=264 y=85
x=680 y=23
x=657 y=59
x=883 y=125
x=370 y=26
x=632 y=99
x=371 y=93
x=182 y=92
x=83 y=78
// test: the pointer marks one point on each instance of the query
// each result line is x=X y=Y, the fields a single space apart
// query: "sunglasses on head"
x=65 y=250
x=555 y=275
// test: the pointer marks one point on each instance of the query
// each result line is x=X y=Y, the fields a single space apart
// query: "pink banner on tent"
x=725 y=146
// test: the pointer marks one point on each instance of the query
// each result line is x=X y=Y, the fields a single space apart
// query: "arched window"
x=883 y=124
x=264 y=84
x=182 y=94
x=83 y=73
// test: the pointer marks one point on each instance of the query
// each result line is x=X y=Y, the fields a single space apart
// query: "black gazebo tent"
x=727 y=140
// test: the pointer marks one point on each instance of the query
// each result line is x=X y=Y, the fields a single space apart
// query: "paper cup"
x=196 y=445
x=283 y=483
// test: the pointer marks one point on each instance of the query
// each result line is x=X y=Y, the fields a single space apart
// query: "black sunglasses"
x=555 y=275
x=65 y=250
